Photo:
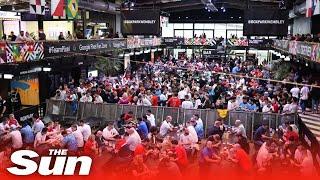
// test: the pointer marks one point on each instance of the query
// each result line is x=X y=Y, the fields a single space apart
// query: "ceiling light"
x=46 y=69
x=231 y=17
x=239 y=17
x=224 y=10
x=187 y=17
x=307 y=64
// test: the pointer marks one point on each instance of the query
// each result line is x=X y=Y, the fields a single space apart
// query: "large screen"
x=265 y=22
x=140 y=22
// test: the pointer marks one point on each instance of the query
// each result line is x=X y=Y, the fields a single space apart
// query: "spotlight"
x=224 y=10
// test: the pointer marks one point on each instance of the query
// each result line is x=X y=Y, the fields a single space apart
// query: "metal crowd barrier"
x=100 y=114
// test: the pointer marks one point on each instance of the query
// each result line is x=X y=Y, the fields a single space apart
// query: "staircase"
x=312 y=121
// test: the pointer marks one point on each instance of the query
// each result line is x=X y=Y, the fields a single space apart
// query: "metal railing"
x=100 y=114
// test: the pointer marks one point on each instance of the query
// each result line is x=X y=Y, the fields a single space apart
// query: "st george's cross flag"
x=37 y=7
x=72 y=9
x=57 y=7
x=312 y=7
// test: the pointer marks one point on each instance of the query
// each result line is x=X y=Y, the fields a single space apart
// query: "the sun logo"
x=63 y=165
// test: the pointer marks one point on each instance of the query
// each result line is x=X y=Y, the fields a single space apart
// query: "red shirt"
x=127 y=117
x=174 y=102
x=13 y=122
x=119 y=144
x=88 y=148
x=275 y=107
x=243 y=160
x=291 y=134
x=140 y=150
x=154 y=100
x=181 y=155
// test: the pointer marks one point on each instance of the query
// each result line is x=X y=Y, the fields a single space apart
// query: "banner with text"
x=140 y=22
x=265 y=22
x=65 y=48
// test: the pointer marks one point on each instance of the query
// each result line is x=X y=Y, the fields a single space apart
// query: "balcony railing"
x=16 y=52
x=308 y=50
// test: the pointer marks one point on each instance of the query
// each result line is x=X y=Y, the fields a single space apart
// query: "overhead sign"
x=140 y=22
x=265 y=22
x=212 y=53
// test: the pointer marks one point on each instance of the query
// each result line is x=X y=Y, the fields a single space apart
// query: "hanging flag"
x=72 y=9
x=37 y=7
x=57 y=7
x=317 y=8
x=309 y=8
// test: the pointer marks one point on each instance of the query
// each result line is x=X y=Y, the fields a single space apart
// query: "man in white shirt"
x=86 y=98
x=37 y=125
x=232 y=104
x=78 y=135
x=40 y=138
x=182 y=94
x=98 y=99
x=109 y=133
x=85 y=130
x=151 y=118
x=240 y=129
x=295 y=92
x=185 y=139
x=16 y=138
x=166 y=126
x=192 y=132
x=304 y=96
x=4 y=126
x=133 y=140
x=187 y=104
x=143 y=101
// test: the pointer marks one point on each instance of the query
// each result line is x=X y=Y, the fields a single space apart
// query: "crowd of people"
x=199 y=84
x=305 y=37
x=140 y=147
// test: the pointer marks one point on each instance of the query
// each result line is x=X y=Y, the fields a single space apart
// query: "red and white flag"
x=57 y=7
x=37 y=7
x=312 y=7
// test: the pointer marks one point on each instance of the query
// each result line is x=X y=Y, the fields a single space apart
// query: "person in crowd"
x=304 y=96
x=315 y=97
x=109 y=133
x=166 y=126
x=27 y=135
x=3 y=106
x=208 y=156
x=61 y=36
x=13 y=121
x=21 y=37
x=91 y=147
x=151 y=118
x=239 y=128
x=260 y=136
x=78 y=136
x=187 y=104
x=142 y=128
x=69 y=142
x=85 y=130
x=42 y=35
x=38 y=125
x=69 y=36
x=40 y=138
x=12 y=36
x=16 y=138
x=133 y=139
